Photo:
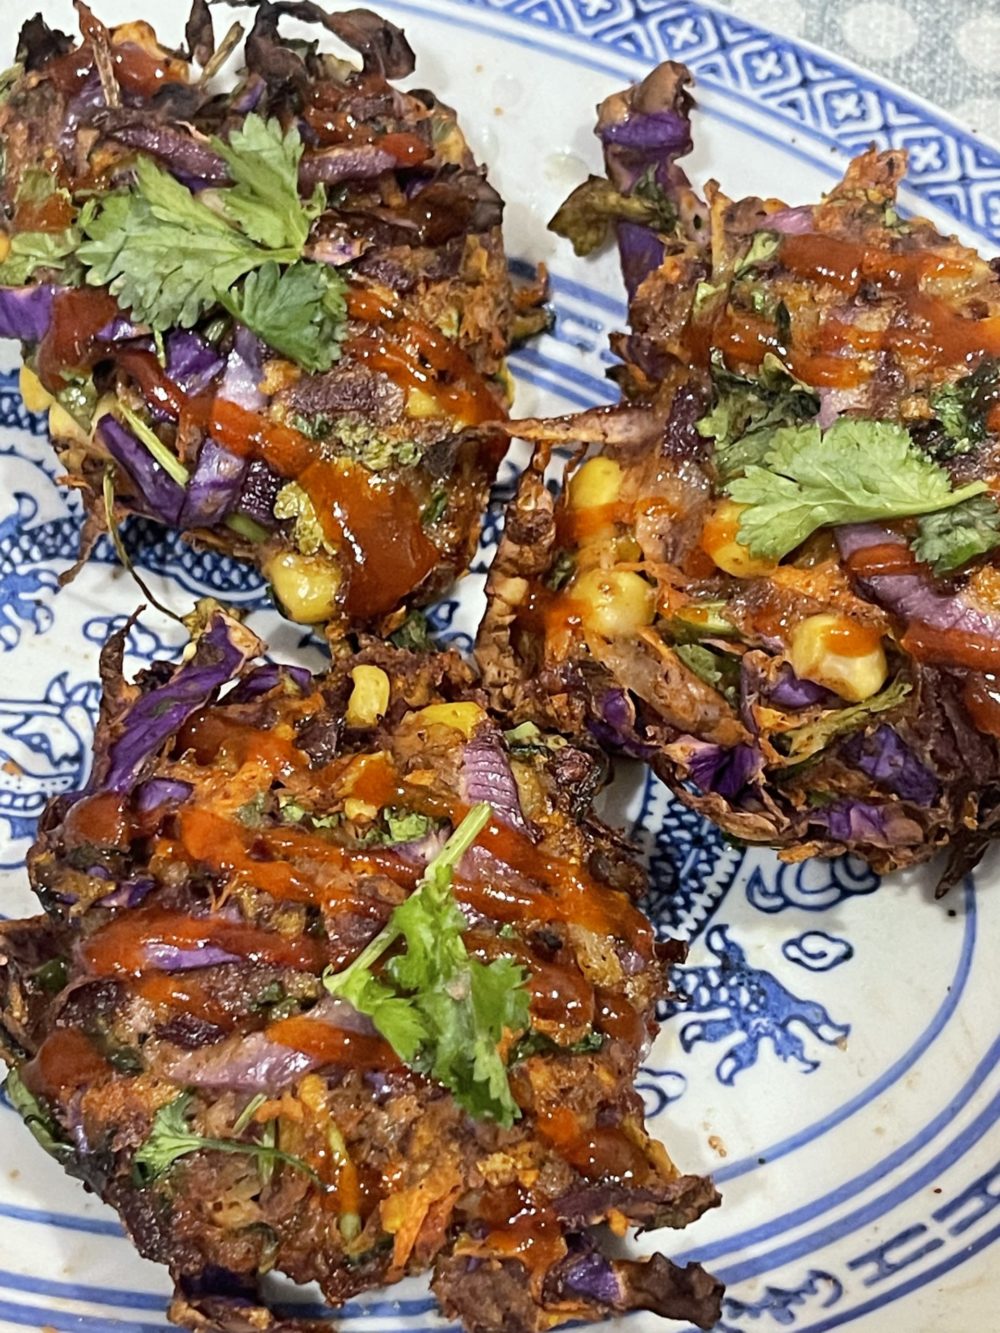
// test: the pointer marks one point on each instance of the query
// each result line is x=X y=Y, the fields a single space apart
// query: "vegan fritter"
x=772 y=570
x=336 y=978
x=273 y=318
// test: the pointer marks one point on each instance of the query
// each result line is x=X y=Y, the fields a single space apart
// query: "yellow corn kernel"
x=597 y=483
x=304 y=585
x=64 y=427
x=720 y=542
x=369 y=698
x=615 y=603
x=36 y=397
x=841 y=654
x=420 y=405
x=463 y=717
x=4 y=246
x=359 y=810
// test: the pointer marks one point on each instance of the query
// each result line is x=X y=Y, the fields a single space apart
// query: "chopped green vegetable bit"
x=52 y=975
x=434 y=508
x=763 y=246
x=41 y=1124
x=858 y=471
x=802 y=742
x=414 y=634
x=537 y=1043
x=294 y=504
x=719 y=670
x=962 y=409
x=950 y=538
x=748 y=411
x=171 y=1138
x=589 y=214
x=443 y=1012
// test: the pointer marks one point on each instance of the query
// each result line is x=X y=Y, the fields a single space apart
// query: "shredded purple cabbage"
x=157 y=494
x=725 y=771
x=215 y=487
x=192 y=363
x=183 y=156
x=345 y=163
x=889 y=760
x=641 y=252
x=614 y=727
x=244 y=371
x=264 y=678
x=26 y=312
x=221 y=651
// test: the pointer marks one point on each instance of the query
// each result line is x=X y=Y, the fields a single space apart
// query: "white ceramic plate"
x=835 y=1063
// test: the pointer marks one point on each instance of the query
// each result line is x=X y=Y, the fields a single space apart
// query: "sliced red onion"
x=915 y=599
x=249 y=1064
x=790 y=221
x=345 y=162
x=158 y=496
x=161 y=791
x=256 y=1063
x=26 y=312
x=181 y=154
x=173 y=958
x=487 y=776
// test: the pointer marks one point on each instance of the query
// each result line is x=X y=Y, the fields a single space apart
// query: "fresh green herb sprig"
x=951 y=538
x=172 y=1138
x=169 y=255
x=442 y=1012
x=858 y=471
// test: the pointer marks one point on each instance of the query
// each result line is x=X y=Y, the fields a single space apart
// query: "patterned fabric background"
x=946 y=50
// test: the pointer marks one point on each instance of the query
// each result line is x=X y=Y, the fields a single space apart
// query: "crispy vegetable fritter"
x=338 y=979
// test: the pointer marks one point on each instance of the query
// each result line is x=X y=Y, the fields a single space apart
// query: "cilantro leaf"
x=748 y=411
x=264 y=202
x=162 y=252
x=856 y=472
x=31 y=250
x=443 y=1012
x=298 y=312
x=962 y=409
x=171 y=1138
x=950 y=538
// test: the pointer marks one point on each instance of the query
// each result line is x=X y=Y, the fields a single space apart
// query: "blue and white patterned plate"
x=834 y=1058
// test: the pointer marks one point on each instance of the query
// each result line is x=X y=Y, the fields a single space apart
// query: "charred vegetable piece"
x=276 y=318
x=772 y=572
x=303 y=1000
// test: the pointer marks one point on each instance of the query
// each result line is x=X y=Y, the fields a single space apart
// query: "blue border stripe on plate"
x=892 y=1075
